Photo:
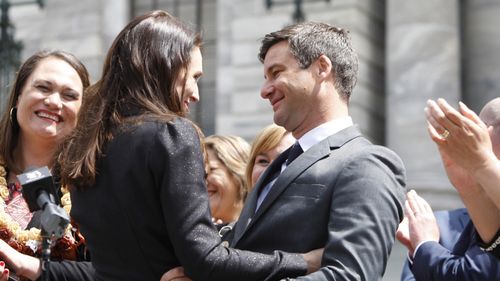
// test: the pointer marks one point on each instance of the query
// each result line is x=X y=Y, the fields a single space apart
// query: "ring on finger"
x=445 y=134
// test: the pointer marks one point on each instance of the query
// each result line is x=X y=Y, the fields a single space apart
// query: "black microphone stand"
x=46 y=241
x=53 y=221
x=39 y=193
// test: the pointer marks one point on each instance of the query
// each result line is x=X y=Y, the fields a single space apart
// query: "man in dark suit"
x=434 y=252
x=341 y=192
x=448 y=247
x=453 y=241
x=451 y=225
x=332 y=189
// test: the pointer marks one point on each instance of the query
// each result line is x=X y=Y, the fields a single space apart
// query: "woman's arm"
x=177 y=163
x=24 y=265
x=470 y=163
x=31 y=267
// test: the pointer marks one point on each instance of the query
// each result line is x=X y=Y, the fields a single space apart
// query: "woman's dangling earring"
x=13 y=113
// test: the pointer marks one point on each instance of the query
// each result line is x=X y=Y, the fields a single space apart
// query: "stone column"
x=115 y=16
x=423 y=62
x=83 y=28
x=480 y=53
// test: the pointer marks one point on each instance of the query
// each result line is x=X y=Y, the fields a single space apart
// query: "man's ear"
x=324 y=67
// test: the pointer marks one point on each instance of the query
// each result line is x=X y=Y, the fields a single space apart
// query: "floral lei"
x=29 y=241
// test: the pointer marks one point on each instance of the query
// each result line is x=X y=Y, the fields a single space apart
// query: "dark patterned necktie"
x=294 y=152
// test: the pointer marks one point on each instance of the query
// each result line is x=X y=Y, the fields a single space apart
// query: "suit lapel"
x=251 y=202
x=300 y=164
x=248 y=216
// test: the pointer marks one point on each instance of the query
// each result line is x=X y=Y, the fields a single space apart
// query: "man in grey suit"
x=341 y=192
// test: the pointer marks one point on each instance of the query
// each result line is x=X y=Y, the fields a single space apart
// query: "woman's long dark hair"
x=138 y=78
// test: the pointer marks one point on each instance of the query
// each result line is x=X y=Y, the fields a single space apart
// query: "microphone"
x=39 y=192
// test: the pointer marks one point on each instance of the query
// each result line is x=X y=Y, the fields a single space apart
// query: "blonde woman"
x=267 y=145
x=226 y=184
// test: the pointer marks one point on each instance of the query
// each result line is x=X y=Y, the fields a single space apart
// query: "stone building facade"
x=409 y=51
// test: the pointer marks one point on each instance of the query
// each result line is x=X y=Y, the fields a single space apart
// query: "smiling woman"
x=42 y=110
x=188 y=86
x=226 y=185
x=49 y=102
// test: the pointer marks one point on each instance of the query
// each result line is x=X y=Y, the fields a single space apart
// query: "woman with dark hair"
x=41 y=112
x=136 y=169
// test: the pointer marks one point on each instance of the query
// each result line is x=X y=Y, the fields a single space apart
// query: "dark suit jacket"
x=148 y=212
x=451 y=225
x=344 y=194
x=457 y=256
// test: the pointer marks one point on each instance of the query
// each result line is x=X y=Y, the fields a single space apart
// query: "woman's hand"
x=24 y=265
x=4 y=272
x=460 y=135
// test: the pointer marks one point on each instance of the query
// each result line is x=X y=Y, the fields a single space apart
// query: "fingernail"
x=2 y=263
x=6 y=271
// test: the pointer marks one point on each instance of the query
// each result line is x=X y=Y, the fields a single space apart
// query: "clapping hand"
x=460 y=135
x=419 y=224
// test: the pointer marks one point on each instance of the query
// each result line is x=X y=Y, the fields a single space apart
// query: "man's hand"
x=313 y=259
x=422 y=225
x=174 y=274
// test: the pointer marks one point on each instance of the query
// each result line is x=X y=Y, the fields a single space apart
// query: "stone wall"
x=423 y=62
x=480 y=47
x=84 y=28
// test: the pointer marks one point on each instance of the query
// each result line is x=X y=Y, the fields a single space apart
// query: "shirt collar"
x=323 y=131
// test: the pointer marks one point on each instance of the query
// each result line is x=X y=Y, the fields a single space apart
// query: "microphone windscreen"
x=33 y=182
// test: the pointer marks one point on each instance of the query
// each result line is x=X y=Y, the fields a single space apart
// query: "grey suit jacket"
x=344 y=194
